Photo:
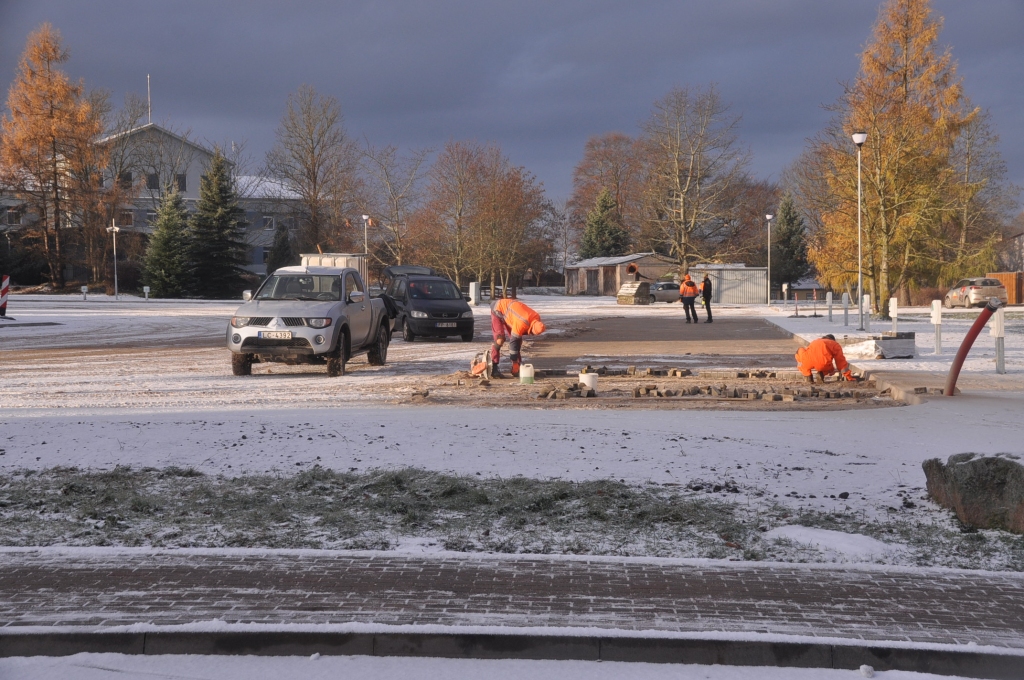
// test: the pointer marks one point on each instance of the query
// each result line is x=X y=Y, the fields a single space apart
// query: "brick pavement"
x=106 y=588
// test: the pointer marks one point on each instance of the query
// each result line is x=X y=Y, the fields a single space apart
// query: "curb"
x=514 y=646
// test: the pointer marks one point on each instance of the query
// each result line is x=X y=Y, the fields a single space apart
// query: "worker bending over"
x=511 y=320
x=687 y=294
x=825 y=356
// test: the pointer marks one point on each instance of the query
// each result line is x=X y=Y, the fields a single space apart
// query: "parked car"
x=431 y=306
x=309 y=315
x=388 y=274
x=664 y=291
x=974 y=292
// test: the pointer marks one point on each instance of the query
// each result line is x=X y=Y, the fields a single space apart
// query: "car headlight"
x=239 y=321
x=416 y=314
x=467 y=315
x=318 y=322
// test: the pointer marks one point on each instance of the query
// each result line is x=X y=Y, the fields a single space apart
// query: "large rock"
x=984 y=491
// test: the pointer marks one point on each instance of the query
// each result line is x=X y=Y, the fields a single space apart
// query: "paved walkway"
x=98 y=588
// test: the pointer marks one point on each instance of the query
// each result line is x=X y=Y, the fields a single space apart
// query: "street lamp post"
x=113 y=229
x=769 y=296
x=366 y=242
x=859 y=138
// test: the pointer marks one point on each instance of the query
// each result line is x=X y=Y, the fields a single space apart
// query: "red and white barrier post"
x=5 y=284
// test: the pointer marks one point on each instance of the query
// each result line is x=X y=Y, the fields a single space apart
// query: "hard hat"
x=537 y=327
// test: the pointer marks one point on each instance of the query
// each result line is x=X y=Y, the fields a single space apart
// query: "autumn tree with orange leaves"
x=46 y=148
x=910 y=102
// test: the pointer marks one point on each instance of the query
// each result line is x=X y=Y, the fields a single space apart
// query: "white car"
x=309 y=315
x=974 y=292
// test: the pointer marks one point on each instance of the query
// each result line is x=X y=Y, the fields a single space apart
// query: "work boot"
x=496 y=374
x=810 y=378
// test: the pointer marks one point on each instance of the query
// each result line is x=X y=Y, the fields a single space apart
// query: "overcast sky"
x=537 y=77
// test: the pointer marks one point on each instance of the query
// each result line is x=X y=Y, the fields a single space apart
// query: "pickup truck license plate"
x=445 y=324
x=276 y=335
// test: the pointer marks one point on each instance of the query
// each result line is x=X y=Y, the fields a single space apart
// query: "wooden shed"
x=605 y=275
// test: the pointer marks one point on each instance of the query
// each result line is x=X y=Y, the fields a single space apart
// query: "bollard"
x=145 y=289
x=474 y=293
x=828 y=301
x=937 y=323
x=5 y=284
x=894 y=311
x=85 y=292
x=865 y=305
x=998 y=331
x=846 y=309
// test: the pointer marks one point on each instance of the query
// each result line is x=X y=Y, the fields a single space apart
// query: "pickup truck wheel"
x=407 y=333
x=378 y=354
x=241 y=364
x=336 y=361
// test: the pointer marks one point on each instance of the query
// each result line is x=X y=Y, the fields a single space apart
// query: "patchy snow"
x=836 y=543
x=315 y=667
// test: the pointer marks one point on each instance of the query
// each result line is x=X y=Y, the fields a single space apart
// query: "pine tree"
x=604 y=235
x=281 y=254
x=217 y=251
x=166 y=270
x=789 y=245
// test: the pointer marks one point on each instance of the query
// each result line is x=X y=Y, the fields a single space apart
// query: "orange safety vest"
x=516 y=315
x=688 y=289
x=819 y=356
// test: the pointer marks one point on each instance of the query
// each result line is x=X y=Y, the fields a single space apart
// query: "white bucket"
x=589 y=380
x=526 y=374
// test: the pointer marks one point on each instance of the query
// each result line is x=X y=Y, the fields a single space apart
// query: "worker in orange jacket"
x=688 y=292
x=511 y=320
x=825 y=356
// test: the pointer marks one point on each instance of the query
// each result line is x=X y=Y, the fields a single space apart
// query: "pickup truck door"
x=358 y=310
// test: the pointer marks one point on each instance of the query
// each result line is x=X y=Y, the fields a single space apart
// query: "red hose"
x=965 y=346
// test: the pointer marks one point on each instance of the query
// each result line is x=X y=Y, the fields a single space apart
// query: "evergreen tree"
x=166 y=268
x=789 y=245
x=604 y=235
x=281 y=254
x=217 y=251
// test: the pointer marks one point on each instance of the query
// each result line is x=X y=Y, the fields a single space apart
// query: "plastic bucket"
x=589 y=380
x=526 y=374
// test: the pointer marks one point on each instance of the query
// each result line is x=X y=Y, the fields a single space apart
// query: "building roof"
x=153 y=127
x=619 y=259
x=807 y=283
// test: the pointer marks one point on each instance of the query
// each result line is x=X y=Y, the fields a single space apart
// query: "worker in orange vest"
x=825 y=356
x=688 y=292
x=511 y=320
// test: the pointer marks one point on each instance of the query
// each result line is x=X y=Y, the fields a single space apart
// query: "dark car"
x=431 y=306
x=388 y=274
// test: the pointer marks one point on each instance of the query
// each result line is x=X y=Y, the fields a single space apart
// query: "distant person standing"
x=705 y=293
x=687 y=294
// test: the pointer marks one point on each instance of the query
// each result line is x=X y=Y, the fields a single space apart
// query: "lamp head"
x=113 y=229
x=769 y=217
x=859 y=138
x=366 y=217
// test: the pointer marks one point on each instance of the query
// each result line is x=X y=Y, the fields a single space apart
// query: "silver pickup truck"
x=309 y=315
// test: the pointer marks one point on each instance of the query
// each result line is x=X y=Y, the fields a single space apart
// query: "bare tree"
x=315 y=159
x=692 y=162
x=391 y=196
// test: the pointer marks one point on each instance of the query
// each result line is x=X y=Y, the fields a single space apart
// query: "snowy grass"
x=416 y=509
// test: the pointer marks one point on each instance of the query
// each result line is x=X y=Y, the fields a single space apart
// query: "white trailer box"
x=356 y=261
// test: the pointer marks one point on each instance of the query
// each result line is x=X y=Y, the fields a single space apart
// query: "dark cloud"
x=535 y=76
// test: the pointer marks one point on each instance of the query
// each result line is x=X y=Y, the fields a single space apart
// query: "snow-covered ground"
x=103 y=402
x=955 y=324
x=107 y=666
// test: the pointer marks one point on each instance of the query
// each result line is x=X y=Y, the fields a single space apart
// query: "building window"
x=150 y=217
x=126 y=218
x=125 y=180
x=182 y=180
x=153 y=181
x=13 y=217
x=268 y=222
x=266 y=256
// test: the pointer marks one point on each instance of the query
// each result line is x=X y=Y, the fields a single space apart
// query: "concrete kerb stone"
x=514 y=646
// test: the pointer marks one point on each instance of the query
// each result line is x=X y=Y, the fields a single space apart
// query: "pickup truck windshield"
x=300 y=287
x=433 y=290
